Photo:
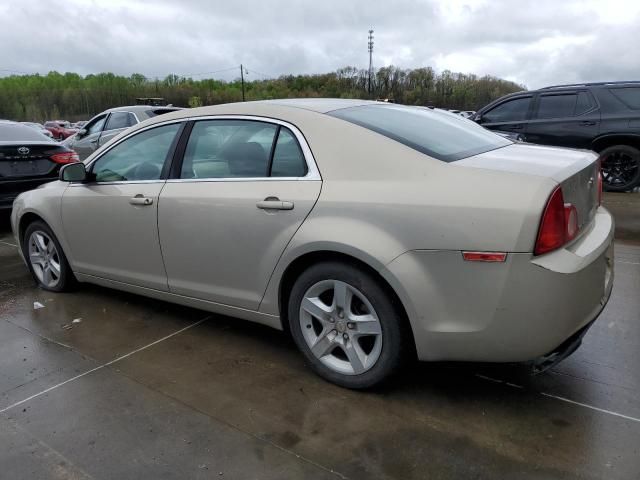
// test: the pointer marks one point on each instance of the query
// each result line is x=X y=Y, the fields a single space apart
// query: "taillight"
x=559 y=224
x=66 y=157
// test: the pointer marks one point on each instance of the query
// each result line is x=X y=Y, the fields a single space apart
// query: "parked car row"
x=60 y=129
x=39 y=127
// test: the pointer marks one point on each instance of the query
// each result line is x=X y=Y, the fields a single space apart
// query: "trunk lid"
x=575 y=170
x=27 y=160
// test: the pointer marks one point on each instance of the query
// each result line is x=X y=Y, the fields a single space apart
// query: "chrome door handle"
x=274 y=203
x=140 y=200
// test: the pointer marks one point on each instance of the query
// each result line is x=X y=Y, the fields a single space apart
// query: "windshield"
x=440 y=135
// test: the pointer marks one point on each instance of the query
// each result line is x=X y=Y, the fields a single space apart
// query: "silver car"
x=373 y=233
x=108 y=124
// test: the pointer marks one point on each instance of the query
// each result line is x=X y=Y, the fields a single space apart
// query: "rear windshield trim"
x=420 y=148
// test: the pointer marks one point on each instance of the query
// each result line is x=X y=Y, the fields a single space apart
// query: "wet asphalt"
x=137 y=388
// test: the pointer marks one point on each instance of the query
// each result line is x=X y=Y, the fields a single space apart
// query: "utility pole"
x=370 y=48
x=242 y=80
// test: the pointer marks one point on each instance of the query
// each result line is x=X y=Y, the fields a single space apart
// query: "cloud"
x=534 y=43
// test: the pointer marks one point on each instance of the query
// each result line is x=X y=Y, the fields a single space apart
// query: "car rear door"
x=116 y=124
x=510 y=115
x=111 y=222
x=242 y=190
x=568 y=118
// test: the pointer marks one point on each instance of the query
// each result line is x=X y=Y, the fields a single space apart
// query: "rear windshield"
x=445 y=136
x=12 y=132
x=160 y=111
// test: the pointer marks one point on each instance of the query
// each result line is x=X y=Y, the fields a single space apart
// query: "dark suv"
x=604 y=117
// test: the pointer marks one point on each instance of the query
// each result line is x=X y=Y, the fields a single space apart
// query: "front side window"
x=241 y=149
x=440 y=135
x=120 y=120
x=140 y=157
x=95 y=125
x=510 y=111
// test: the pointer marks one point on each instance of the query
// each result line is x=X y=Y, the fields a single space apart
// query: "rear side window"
x=288 y=159
x=228 y=148
x=242 y=148
x=438 y=134
x=510 y=111
x=120 y=120
x=630 y=96
x=584 y=103
x=557 y=106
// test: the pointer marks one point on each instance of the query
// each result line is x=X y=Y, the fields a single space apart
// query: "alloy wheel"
x=44 y=259
x=341 y=327
x=619 y=170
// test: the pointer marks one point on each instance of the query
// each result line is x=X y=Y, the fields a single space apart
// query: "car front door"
x=86 y=144
x=565 y=119
x=116 y=123
x=110 y=222
x=243 y=189
x=508 y=116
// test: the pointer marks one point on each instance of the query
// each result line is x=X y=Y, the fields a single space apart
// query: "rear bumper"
x=567 y=347
x=514 y=311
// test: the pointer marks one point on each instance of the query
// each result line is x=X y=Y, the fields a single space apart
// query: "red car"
x=60 y=129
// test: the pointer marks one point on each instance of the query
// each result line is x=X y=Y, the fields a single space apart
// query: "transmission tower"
x=370 y=48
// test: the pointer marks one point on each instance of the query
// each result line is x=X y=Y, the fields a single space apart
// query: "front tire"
x=45 y=258
x=620 y=166
x=347 y=325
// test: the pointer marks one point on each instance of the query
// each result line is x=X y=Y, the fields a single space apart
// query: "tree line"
x=73 y=97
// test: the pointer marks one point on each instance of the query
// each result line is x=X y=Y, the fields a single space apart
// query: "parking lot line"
x=104 y=365
x=10 y=244
x=562 y=399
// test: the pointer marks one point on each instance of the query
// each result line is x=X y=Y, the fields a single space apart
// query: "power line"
x=207 y=73
x=15 y=71
x=260 y=73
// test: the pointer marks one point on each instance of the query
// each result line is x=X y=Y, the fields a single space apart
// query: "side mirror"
x=82 y=132
x=73 y=172
x=477 y=118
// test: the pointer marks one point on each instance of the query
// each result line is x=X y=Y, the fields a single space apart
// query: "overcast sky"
x=535 y=43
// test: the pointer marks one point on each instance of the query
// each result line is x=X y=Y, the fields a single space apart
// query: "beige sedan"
x=373 y=233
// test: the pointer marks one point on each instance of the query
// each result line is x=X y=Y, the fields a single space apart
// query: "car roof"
x=138 y=108
x=320 y=105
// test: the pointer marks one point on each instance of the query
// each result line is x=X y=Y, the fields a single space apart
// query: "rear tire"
x=347 y=325
x=620 y=168
x=46 y=260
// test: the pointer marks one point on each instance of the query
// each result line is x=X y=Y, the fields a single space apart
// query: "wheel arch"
x=25 y=220
x=295 y=268
x=609 y=140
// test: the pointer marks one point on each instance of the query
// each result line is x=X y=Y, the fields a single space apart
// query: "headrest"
x=247 y=160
